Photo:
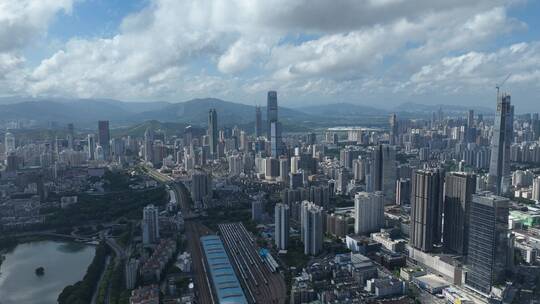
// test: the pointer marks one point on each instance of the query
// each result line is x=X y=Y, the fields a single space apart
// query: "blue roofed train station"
x=225 y=284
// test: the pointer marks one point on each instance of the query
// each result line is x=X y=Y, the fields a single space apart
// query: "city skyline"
x=361 y=202
x=269 y=152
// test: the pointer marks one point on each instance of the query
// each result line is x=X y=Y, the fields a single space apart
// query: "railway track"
x=261 y=283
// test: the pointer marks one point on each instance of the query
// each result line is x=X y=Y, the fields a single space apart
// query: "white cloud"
x=308 y=49
x=9 y=62
x=242 y=54
x=476 y=71
x=23 y=20
x=21 y=23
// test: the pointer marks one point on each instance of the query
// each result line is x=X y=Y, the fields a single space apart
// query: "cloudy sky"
x=373 y=52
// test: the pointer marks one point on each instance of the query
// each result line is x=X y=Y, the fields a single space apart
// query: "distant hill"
x=86 y=112
x=341 y=109
x=411 y=107
x=137 y=130
x=89 y=111
x=45 y=110
x=195 y=111
x=73 y=110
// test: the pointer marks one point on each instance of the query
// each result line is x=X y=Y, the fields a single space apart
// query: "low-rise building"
x=410 y=273
x=387 y=242
x=302 y=290
x=447 y=266
x=431 y=283
x=152 y=268
x=362 y=244
x=184 y=262
x=385 y=287
x=145 y=295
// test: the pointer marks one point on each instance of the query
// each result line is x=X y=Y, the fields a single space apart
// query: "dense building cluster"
x=425 y=208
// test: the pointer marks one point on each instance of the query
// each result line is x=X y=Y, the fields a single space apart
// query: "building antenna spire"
x=498 y=86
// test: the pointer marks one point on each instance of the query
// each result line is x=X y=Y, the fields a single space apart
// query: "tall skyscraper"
x=257 y=209
x=393 y=129
x=503 y=134
x=359 y=170
x=236 y=165
x=403 y=191
x=368 y=212
x=426 y=203
x=258 y=121
x=9 y=143
x=312 y=227
x=384 y=171
x=470 y=131
x=12 y=162
x=104 y=138
x=271 y=111
x=470 y=119
x=536 y=189
x=91 y=147
x=459 y=188
x=201 y=186
x=71 y=135
x=346 y=157
x=150 y=225
x=311 y=138
x=281 y=221
x=212 y=132
x=284 y=168
x=275 y=139
x=342 y=180
x=149 y=145
x=535 y=124
x=488 y=242
x=272 y=168
x=440 y=114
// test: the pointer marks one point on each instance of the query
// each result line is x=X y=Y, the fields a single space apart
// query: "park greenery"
x=295 y=254
x=116 y=180
x=82 y=291
x=105 y=208
x=113 y=278
x=229 y=215
x=8 y=243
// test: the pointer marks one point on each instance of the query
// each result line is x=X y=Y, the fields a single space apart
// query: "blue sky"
x=311 y=51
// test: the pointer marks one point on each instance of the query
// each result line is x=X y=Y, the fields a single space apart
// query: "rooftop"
x=224 y=279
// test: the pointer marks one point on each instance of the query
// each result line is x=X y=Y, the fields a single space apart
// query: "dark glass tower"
x=104 y=137
x=275 y=139
x=384 y=171
x=499 y=166
x=393 y=129
x=459 y=189
x=271 y=111
x=426 y=202
x=212 y=132
x=488 y=242
x=258 y=121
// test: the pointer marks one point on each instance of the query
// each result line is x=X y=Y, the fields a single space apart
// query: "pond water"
x=64 y=262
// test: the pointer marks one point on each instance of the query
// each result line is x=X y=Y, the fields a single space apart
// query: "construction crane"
x=498 y=86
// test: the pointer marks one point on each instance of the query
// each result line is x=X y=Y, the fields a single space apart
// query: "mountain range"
x=86 y=112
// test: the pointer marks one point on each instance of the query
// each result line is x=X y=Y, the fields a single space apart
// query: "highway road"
x=193 y=232
x=182 y=194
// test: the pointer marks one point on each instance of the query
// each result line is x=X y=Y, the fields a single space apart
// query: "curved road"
x=193 y=232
